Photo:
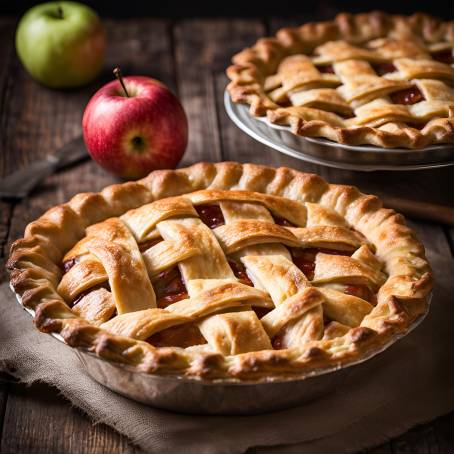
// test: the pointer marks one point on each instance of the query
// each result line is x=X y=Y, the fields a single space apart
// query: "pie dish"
x=223 y=271
x=370 y=78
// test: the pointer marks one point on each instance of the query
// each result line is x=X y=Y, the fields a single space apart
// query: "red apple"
x=134 y=125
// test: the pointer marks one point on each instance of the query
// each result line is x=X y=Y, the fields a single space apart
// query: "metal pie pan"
x=332 y=154
x=219 y=397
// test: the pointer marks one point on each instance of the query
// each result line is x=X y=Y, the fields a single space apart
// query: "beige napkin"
x=410 y=383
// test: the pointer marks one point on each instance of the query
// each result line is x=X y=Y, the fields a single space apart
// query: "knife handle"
x=20 y=183
x=421 y=210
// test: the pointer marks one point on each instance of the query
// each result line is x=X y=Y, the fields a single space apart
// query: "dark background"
x=280 y=8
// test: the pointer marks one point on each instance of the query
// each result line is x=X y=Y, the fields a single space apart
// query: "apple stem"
x=118 y=75
x=60 y=12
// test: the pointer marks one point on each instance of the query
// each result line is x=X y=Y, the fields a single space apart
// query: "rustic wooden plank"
x=445 y=433
x=3 y=399
x=434 y=437
x=450 y=237
x=40 y=120
x=6 y=211
x=141 y=46
x=6 y=53
x=383 y=449
x=195 y=54
x=38 y=420
x=203 y=51
x=6 y=80
x=230 y=37
x=421 y=439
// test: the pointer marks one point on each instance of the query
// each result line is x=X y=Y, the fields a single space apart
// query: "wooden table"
x=190 y=56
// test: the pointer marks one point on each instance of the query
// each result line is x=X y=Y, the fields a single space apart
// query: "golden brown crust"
x=253 y=79
x=35 y=261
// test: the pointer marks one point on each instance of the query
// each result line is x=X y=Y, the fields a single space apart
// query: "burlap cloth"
x=410 y=383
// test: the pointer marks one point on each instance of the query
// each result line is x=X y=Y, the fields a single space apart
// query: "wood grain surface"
x=190 y=56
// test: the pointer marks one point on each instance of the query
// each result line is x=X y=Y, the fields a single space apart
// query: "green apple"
x=61 y=44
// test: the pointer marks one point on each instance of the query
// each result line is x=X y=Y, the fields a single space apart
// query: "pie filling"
x=282 y=221
x=444 y=56
x=68 y=264
x=326 y=69
x=148 y=244
x=211 y=215
x=169 y=287
x=384 y=68
x=278 y=341
x=409 y=96
x=240 y=272
x=182 y=336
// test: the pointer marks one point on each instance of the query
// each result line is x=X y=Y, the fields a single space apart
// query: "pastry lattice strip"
x=391 y=83
x=222 y=307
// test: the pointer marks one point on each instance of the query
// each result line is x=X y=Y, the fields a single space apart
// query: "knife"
x=19 y=184
x=441 y=214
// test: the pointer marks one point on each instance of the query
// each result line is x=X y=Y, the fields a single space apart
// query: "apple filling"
x=169 y=287
x=277 y=341
x=148 y=244
x=240 y=272
x=444 y=56
x=68 y=264
x=384 y=68
x=409 y=96
x=282 y=221
x=211 y=215
x=326 y=69
x=182 y=336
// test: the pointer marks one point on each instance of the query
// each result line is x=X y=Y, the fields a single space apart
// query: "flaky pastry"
x=222 y=271
x=370 y=78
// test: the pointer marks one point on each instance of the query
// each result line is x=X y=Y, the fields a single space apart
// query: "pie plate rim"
x=364 y=158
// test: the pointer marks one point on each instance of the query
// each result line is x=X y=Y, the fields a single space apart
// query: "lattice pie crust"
x=369 y=78
x=223 y=271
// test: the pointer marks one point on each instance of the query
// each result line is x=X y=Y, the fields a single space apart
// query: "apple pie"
x=370 y=78
x=223 y=270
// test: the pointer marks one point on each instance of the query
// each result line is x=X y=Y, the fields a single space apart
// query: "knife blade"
x=19 y=184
